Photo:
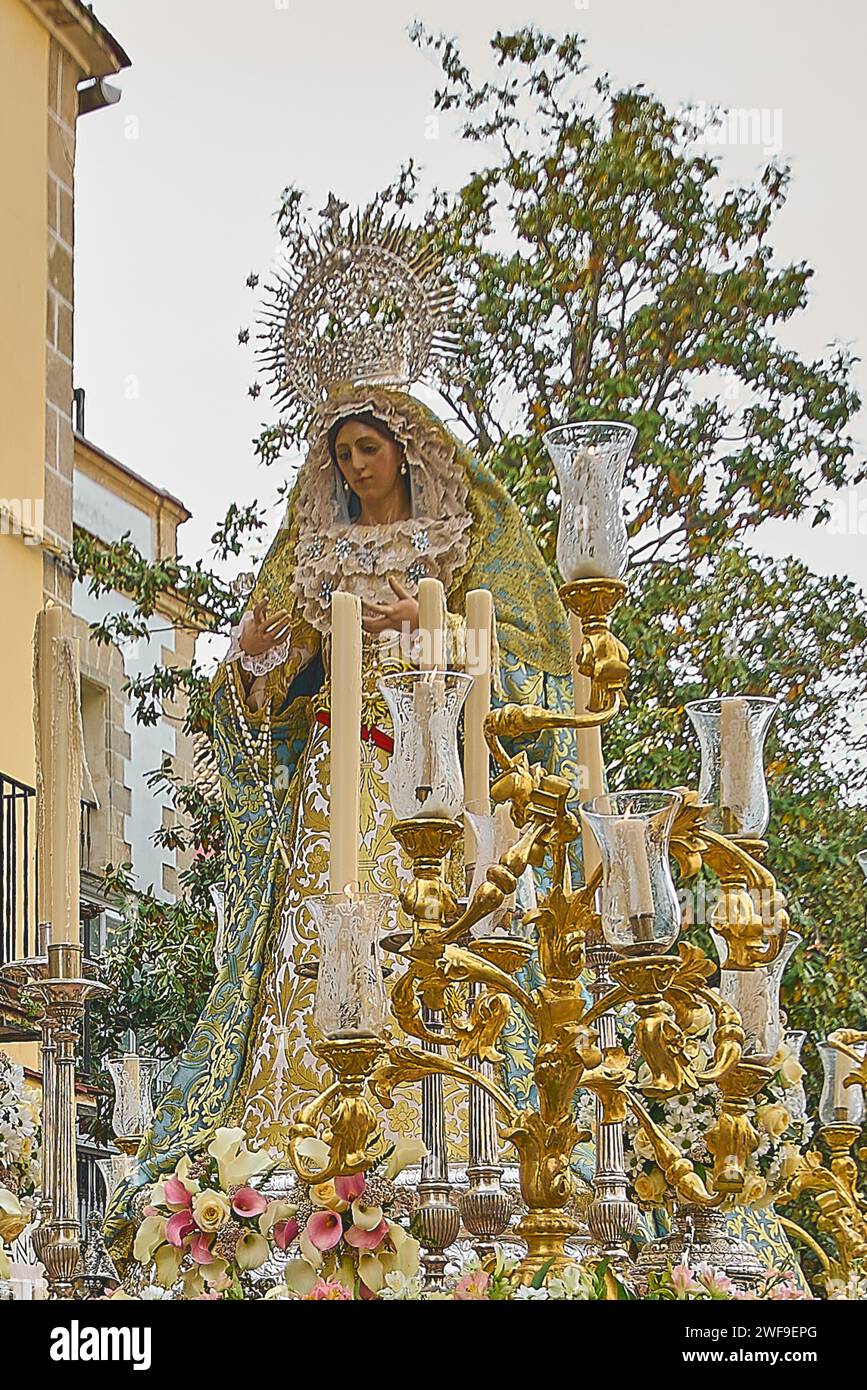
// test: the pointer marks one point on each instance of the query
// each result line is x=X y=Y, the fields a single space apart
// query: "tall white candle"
x=480 y=622
x=432 y=624
x=430 y=694
x=345 y=739
x=64 y=796
x=49 y=626
x=589 y=745
x=843 y=1068
x=735 y=759
x=629 y=880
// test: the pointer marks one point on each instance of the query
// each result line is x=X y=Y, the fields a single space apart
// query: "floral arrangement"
x=19 y=1131
x=593 y=1282
x=19 y=1156
x=207 y=1225
x=777 y=1114
x=343 y=1244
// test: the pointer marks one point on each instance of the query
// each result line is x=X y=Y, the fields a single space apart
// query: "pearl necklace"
x=257 y=750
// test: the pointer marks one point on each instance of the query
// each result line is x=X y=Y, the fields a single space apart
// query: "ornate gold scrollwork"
x=341 y=1116
x=751 y=913
x=842 y=1209
x=680 y=1174
x=732 y=1139
x=603 y=659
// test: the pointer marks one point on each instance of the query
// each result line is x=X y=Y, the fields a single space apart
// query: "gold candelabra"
x=471 y=983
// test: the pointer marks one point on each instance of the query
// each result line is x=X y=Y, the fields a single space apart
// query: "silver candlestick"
x=612 y=1217
x=437 y=1220
x=486 y=1207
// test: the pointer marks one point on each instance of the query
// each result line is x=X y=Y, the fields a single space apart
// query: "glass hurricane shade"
x=838 y=1103
x=351 y=1000
x=796 y=1096
x=492 y=834
x=132 y=1077
x=425 y=777
x=590 y=460
x=640 y=910
x=756 y=996
x=731 y=734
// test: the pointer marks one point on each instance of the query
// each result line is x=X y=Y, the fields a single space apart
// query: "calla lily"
x=236 y=1163
x=215 y=1275
x=182 y=1171
x=342 y=1271
x=200 y=1249
x=300 y=1276
x=371 y=1272
x=361 y=1239
x=308 y=1251
x=176 y=1194
x=405 y=1152
x=315 y=1152
x=194 y=1284
x=407 y=1250
x=248 y=1202
x=324 y=1229
x=349 y=1188
x=178 y=1226
x=150 y=1234
x=276 y=1211
x=14 y=1216
x=284 y=1232
x=366 y=1218
x=252 y=1250
x=167 y=1261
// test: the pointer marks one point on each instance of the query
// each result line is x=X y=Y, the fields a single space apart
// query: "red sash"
x=368 y=735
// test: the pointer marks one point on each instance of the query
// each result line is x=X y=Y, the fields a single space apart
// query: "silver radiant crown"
x=361 y=299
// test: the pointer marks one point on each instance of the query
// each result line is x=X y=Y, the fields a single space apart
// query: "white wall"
x=109 y=517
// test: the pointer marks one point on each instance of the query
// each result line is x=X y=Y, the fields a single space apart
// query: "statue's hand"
x=378 y=617
x=262 y=631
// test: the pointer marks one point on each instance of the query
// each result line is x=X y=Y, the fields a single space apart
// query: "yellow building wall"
x=24 y=45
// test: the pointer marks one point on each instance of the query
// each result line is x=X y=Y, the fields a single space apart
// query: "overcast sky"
x=229 y=100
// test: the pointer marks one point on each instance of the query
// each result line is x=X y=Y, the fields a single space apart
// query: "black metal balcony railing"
x=18 y=872
x=84 y=846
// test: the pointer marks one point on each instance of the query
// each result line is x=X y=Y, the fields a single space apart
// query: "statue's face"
x=369 y=462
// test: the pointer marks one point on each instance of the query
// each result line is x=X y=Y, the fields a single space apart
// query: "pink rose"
x=367 y=1240
x=324 y=1229
x=248 y=1202
x=348 y=1189
x=178 y=1226
x=284 y=1232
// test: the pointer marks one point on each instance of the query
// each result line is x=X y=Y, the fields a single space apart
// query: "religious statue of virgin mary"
x=385 y=497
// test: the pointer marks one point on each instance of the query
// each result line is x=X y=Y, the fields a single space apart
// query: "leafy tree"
x=609 y=272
